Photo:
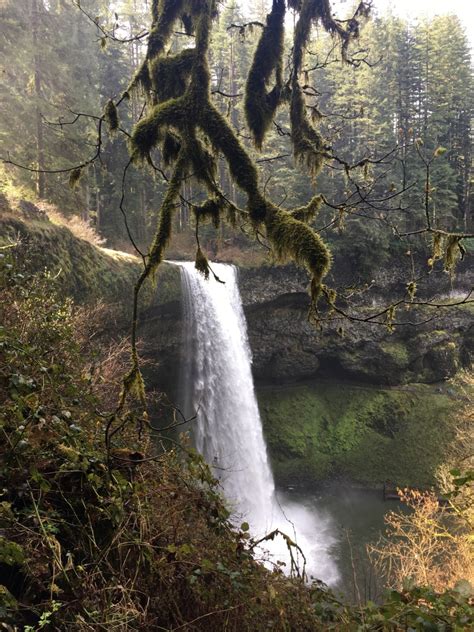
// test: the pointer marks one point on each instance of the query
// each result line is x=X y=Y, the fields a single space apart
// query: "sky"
x=417 y=8
x=411 y=9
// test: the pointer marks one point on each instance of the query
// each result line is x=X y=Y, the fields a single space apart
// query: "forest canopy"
x=392 y=94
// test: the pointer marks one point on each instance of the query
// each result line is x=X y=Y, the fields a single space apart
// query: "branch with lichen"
x=190 y=131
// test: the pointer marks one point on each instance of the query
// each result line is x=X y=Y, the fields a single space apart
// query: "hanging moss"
x=183 y=81
x=292 y=239
x=308 y=144
x=308 y=14
x=141 y=81
x=170 y=75
x=411 y=290
x=331 y=295
x=294 y=4
x=260 y=104
x=201 y=161
x=210 y=210
x=452 y=253
x=133 y=385
x=74 y=177
x=155 y=9
x=437 y=246
x=309 y=212
x=223 y=138
x=150 y=130
x=437 y=249
x=390 y=317
x=170 y=148
x=165 y=14
x=192 y=131
x=202 y=264
x=319 y=11
x=111 y=116
x=163 y=233
x=188 y=23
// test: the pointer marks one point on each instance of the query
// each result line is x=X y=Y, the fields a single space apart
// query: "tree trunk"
x=40 y=176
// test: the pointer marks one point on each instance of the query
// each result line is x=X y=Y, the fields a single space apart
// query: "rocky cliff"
x=287 y=348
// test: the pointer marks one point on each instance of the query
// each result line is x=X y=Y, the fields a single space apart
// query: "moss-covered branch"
x=260 y=103
x=184 y=123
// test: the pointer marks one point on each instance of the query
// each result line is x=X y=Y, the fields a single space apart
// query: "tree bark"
x=40 y=165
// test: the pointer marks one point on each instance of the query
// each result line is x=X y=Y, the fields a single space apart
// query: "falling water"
x=218 y=386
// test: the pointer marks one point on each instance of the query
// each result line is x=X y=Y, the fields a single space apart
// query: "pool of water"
x=351 y=519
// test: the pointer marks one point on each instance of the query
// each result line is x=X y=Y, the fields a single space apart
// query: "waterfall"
x=218 y=387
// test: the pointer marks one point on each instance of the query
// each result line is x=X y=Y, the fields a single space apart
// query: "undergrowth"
x=131 y=538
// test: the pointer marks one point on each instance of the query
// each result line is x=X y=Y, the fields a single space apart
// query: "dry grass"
x=106 y=358
x=79 y=227
x=120 y=255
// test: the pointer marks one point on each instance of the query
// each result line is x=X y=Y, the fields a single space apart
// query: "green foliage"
x=11 y=553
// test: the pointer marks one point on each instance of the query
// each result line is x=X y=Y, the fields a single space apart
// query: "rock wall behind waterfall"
x=287 y=348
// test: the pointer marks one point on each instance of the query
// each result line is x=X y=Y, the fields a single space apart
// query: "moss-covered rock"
x=287 y=347
x=395 y=352
x=320 y=431
x=84 y=271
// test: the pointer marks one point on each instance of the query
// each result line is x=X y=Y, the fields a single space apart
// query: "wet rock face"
x=161 y=333
x=286 y=347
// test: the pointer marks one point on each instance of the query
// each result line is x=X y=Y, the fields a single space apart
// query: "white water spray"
x=218 y=386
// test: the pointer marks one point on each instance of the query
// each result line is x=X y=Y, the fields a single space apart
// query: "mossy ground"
x=320 y=431
x=84 y=271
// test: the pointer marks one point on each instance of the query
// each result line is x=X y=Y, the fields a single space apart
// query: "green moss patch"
x=396 y=352
x=320 y=431
x=84 y=271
